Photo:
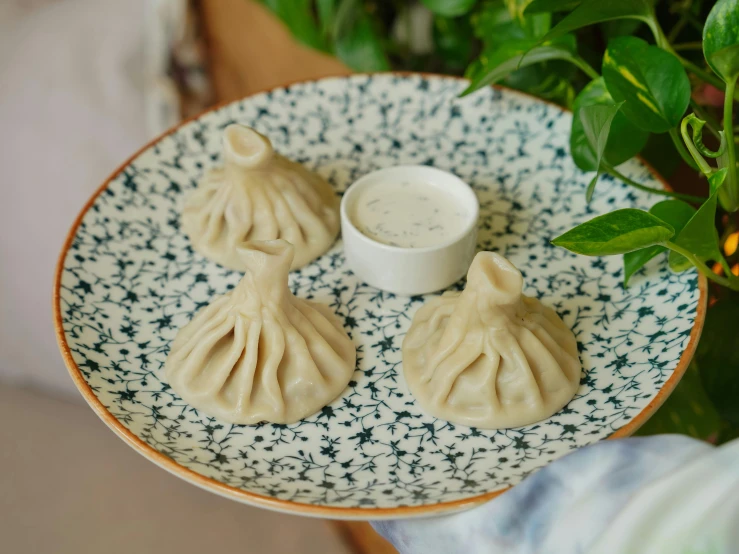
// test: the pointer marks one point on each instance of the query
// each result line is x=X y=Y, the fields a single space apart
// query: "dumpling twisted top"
x=258 y=353
x=259 y=195
x=490 y=357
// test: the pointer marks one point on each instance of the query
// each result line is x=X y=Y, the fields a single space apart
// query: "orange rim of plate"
x=335 y=512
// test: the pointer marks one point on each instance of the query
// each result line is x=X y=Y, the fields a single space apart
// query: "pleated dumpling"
x=258 y=353
x=490 y=357
x=259 y=195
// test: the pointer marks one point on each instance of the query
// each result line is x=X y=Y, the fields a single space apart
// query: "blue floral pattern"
x=130 y=280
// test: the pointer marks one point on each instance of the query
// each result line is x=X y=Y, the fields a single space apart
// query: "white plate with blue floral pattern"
x=128 y=279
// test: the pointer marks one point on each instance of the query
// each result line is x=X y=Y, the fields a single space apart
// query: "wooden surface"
x=362 y=539
x=249 y=50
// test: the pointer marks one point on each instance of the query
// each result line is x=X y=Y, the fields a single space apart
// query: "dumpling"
x=259 y=195
x=258 y=353
x=490 y=357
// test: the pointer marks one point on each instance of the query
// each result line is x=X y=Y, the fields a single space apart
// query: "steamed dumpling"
x=490 y=357
x=258 y=353
x=259 y=195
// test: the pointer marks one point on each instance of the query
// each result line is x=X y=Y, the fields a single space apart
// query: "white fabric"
x=74 y=96
x=666 y=494
x=692 y=509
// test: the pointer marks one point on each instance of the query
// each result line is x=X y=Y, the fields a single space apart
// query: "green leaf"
x=650 y=80
x=616 y=233
x=716 y=179
x=449 y=8
x=596 y=122
x=551 y=84
x=357 y=43
x=499 y=28
x=687 y=411
x=551 y=6
x=699 y=236
x=596 y=11
x=676 y=214
x=717 y=357
x=299 y=18
x=493 y=23
x=624 y=141
x=591 y=186
x=721 y=39
x=505 y=59
x=534 y=25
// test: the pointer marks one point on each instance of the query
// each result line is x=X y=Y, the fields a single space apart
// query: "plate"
x=128 y=279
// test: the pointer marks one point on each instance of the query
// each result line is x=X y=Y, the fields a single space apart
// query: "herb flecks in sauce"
x=408 y=215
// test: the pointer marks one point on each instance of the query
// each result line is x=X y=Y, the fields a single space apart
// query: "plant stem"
x=659 y=35
x=686 y=197
x=680 y=25
x=730 y=186
x=698 y=25
x=711 y=123
x=697 y=156
x=684 y=154
x=702 y=73
x=663 y=43
x=697 y=45
x=585 y=67
x=703 y=268
x=725 y=265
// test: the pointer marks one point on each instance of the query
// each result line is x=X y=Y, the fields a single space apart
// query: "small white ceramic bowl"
x=410 y=271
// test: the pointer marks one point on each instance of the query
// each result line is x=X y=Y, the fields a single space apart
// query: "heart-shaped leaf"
x=449 y=8
x=616 y=233
x=721 y=39
x=505 y=59
x=596 y=122
x=699 y=236
x=676 y=214
x=596 y=11
x=650 y=80
x=625 y=139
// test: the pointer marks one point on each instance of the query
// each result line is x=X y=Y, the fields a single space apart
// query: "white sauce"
x=408 y=215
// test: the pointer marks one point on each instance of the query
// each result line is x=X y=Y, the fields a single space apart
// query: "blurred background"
x=83 y=85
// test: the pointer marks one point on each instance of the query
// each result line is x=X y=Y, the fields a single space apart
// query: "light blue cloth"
x=666 y=494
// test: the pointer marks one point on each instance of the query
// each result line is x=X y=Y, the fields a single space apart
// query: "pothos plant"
x=641 y=76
